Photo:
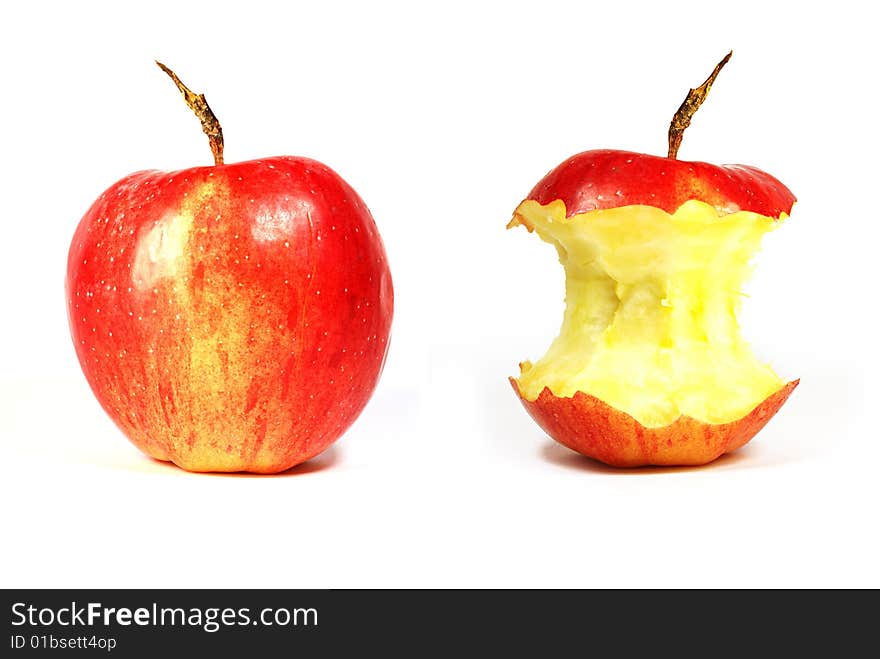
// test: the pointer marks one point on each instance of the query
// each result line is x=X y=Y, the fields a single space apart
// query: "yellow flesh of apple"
x=650 y=321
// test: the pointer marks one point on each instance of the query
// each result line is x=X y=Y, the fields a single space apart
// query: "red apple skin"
x=593 y=428
x=606 y=178
x=234 y=317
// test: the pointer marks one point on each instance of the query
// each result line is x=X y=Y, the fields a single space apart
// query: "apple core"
x=650 y=367
x=650 y=320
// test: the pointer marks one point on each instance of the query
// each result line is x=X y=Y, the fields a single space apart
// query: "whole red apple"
x=233 y=317
x=649 y=366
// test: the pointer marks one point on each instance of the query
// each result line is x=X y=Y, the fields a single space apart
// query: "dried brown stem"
x=691 y=104
x=199 y=105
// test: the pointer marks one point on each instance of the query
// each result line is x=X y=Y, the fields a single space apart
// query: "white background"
x=443 y=116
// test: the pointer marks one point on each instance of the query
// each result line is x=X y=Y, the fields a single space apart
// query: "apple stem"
x=199 y=105
x=692 y=102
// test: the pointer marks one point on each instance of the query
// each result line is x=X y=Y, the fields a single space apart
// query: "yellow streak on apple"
x=650 y=321
x=208 y=362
